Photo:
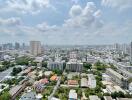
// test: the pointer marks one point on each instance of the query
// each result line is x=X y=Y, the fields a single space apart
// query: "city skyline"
x=66 y=22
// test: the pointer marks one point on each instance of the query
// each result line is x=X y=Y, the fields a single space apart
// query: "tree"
x=87 y=65
x=15 y=71
x=33 y=63
x=5 y=96
x=44 y=64
x=23 y=60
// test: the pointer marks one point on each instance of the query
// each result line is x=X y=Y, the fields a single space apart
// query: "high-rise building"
x=35 y=48
x=23 y=46
x=131 y=52
x=17 y=46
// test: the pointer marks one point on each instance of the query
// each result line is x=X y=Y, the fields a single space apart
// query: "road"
x=5 y=73
x=55 y=88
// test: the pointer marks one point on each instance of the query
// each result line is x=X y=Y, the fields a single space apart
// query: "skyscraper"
x=17 y=46
x=35 y=47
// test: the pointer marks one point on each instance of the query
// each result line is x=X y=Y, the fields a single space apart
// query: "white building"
x=1 y=55
x=74 y=66
x=55 y=65
x=73 y=55
x=72 y=95
x=35 y=48
x=117 y=78
x=84 y=82
x=91 y=81
x=130 y=87
x=94 y=97
x=106 y=77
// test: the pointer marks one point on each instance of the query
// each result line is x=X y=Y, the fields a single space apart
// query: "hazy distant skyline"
x=66 y=21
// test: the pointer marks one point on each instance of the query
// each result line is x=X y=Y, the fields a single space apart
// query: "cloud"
x=27 y=6
x=13 y=21
x=86 y=17
x=84 y=25
x=79 y=25
x=75 y=10
x=119 y=4
x=44 y=27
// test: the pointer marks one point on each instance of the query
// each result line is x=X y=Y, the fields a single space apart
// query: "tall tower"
x=17 y=46
x=35 y=48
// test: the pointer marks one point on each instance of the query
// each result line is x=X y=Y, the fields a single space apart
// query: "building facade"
x=35 y=48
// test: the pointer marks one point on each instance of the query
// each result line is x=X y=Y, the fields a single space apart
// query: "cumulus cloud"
x=44 y=27
x=75 y=10
x=27 y=6
x=83 y=25
x=14 y=21
x=84 y=17
x=120 y=4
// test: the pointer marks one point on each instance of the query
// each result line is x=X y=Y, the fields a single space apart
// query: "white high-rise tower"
x=35 y=48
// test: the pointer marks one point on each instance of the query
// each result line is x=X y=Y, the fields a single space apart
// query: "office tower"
x=17 y=46
x=117 y=47
x=23 y=46
x=1 y=55
x=35 y=48
x=131 y=53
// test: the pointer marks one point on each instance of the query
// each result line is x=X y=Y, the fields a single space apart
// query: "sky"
x=66 y=22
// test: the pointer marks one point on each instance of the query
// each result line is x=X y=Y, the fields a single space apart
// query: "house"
x=47 y=73
x=72 y=95
x=108 y=98
x=14 y=91
x=53 y=98
x=72 y=82
x=44 y=81
x=54 y=78
x=91 y=81
x=38 y=86
x=84 y=82
x=94 y=97
x=28 y=96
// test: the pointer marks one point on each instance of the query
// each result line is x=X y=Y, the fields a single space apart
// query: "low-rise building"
x=47 y=73
x=72 y=95
x=117 y=78
x=108 y=98
x=106 y=77
x=123 y=98
x=54 y=78
x=14 y=91
x=91 y=81
x=72 y=82
x=84 y=82
x=94 y=97
x=130 y=86
x=29 y=96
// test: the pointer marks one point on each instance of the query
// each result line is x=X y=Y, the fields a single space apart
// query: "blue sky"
x=66 y=21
